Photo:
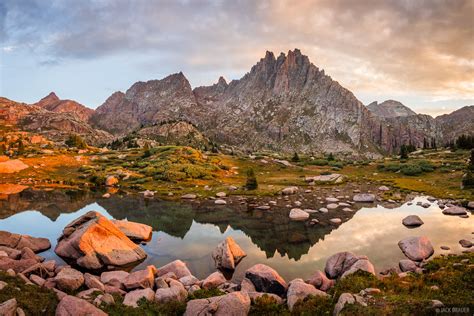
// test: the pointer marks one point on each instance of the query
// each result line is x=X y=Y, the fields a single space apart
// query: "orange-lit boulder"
x=134 y=231
x=227 y=254
x=94 y=242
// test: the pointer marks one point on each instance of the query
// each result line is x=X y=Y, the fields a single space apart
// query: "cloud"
x=368 y=45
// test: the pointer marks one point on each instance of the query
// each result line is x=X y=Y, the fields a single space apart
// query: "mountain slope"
x=456 y=123
x=52 y=103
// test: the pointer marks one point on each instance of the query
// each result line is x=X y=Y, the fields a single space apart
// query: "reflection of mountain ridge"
x=49 y=203
x=271 y=231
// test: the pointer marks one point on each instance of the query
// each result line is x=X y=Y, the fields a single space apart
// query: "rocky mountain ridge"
x=283 y=103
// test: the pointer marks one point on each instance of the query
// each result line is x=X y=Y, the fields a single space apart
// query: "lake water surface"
x=190 y=233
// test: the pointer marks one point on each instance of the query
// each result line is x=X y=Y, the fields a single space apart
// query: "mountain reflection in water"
x=190 y=231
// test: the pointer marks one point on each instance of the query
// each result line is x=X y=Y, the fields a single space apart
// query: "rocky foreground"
x=102 y=249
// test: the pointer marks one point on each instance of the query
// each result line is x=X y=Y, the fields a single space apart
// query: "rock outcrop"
x=52 y=103
x=94 y=242
x=227 y=254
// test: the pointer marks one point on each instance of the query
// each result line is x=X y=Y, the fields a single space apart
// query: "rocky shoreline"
x=100 y=251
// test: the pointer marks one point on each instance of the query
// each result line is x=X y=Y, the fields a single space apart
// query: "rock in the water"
x=416 y=248
x=134 y=231
x=132 y=298
x=69 y=279
x=177 y=267
x=364 y=198
x=213 y=280
x=320 y=281
x=266 y=279
x=71 y=305
x=298 y=290
x=344 y=263
x=232 y=304
x=297 y=214
x=17 y=241
x=455 y=210
x=412 y=221
x=94 y=242
x=8 y=308
x=407 y=265
x=465 y=243
x=175 y=292
x=140 y=279
x=227 y=254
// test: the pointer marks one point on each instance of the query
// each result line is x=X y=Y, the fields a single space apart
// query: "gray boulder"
x=416 y=248
x=232 y=304
x=412 y=221
x=266 y=279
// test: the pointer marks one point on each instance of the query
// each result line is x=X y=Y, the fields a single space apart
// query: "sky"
x=418 y=52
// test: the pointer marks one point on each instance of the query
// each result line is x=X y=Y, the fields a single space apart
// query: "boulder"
x=189 y=196
x=232 y=304
x=12 y=166
x=69 y=279
x=455 y=210
x=71 y=305
x=89 y=295
x=298 y=290
x=384 y=188
x=213 y=280
x=332 y=206
x=27 y=253
x=416 y=248
x=134 y=231
x=221 y=194
x=16 y=265
x=189 y=280
x=364 y=198
x=17 y=241
x=111 y=181
x=227 y=254
x=465 y=243
x=178 y=267
x=412 y=221
x=407 y=265
x=336 y=221
x=11 y=252
x=174 y=293
x=106 y=299
x=344 y=298
x=113 y=276
x=320 y=281
x=266 y=279
x=140 y=279
x=332 y=200
x=297 y=214
x=93 y=282
x=8 y=308
x=94 y=242
x=324 y=178
x=289 y=190
x=344 y=263
x=470 y=205
x=132 y=298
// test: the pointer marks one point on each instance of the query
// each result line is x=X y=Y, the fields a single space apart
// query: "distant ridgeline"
x=284 y=103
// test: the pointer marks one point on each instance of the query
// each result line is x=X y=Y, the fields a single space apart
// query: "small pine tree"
x=251 y=183
x=330 y=157
x=468 y=179
x=76 y=141
x=295 y=158
x=403 y=152
x=147 y=151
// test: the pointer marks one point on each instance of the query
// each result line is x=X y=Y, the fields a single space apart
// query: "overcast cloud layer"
x=418 y=52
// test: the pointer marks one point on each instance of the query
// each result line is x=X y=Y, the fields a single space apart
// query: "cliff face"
x=456 y=123
x=286 y=104
x=52 y=103
x=146 y=103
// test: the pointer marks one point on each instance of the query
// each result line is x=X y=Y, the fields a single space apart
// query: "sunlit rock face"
x=94 y=242
x=52 y=103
